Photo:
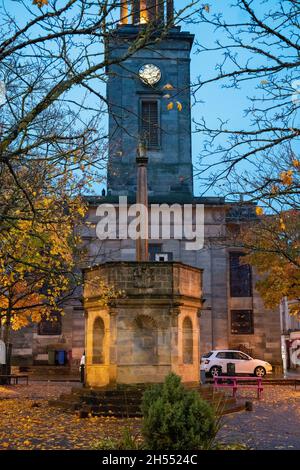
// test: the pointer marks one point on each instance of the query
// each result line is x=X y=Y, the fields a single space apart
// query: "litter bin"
x=61 y=358
x=51 y=358
x=231 y=369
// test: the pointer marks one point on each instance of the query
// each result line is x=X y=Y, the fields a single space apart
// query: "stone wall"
x=145 y=331
x=215 y=313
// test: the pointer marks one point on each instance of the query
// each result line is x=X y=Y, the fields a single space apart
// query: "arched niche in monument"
x=142 y=333
x=145 y=339
x=98 y=341
x=187 y=341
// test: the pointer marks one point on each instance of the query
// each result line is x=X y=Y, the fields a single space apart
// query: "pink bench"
x=237 y=382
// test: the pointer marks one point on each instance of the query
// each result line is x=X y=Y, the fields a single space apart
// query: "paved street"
x=27 y=422
x=274 y=422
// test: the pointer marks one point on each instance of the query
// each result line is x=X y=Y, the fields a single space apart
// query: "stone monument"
x=150 y=332
x=153 y=328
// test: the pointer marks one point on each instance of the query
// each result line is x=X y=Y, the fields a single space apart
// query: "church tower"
x=149 y=99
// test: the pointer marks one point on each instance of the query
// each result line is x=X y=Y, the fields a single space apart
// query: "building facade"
x=149 y=100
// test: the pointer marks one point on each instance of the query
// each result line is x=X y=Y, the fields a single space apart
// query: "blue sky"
x=217 y=102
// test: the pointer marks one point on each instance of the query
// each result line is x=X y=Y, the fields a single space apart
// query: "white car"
x=215 y=363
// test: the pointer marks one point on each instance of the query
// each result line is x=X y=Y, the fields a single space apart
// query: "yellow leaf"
x=207 y=8
x=282 y=224
x=170 y=106
x=168 y=86
x=259 y=210
x=287 y=177
x=40 y=3
x=296 y=163
x=179 y=105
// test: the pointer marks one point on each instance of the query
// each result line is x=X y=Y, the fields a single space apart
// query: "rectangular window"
x=242 y=322
x=240 y=276
x=224 y=355
x=50 y=326
x=149 y=123
x=154 y=249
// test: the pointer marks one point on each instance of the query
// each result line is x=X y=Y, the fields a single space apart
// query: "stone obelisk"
x=142 y=198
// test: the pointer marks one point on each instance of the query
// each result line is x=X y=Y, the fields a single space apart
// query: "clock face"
x=150 y=74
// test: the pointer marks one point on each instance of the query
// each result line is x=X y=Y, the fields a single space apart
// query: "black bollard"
x=249 y=406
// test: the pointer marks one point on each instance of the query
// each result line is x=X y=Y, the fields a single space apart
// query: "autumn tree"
x=53 y=109
x=273 y=247
x=38 y=250
x=53 y=64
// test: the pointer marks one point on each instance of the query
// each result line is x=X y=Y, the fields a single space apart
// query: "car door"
x=241 y=362
x=222 y=358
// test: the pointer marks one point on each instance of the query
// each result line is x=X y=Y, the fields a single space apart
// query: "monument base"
x=152 y=330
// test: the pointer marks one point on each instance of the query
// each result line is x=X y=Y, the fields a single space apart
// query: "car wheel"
x=260 y=371
x=215 y=371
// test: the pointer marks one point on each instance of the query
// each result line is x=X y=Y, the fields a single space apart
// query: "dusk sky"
x=214 y=101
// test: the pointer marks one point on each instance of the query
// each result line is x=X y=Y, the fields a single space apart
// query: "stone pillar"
x=142 y=198
x=151 y=10
x=136 y=11
x=161 y=11
x=124 y=12
x=170 y=11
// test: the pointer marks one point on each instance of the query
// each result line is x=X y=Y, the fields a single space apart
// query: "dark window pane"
x=156 y=253
x=154 y=249
x=221 y=355
x=244 y=357
x=239 y=356
x=150 y=123
x=52 y=327
x=242 y=322
x=228 y=355
x=224 y=355
x=240 y=277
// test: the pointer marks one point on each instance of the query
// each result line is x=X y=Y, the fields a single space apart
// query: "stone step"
x=65 y=405
x=109 y=409
x=120 y=404
x=119 y=414
x=114 y=402
x=132 y=399
x=47 y=371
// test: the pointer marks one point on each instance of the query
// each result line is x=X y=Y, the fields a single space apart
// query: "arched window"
x=187 y=341
x=144 y=340
x=98 y=339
